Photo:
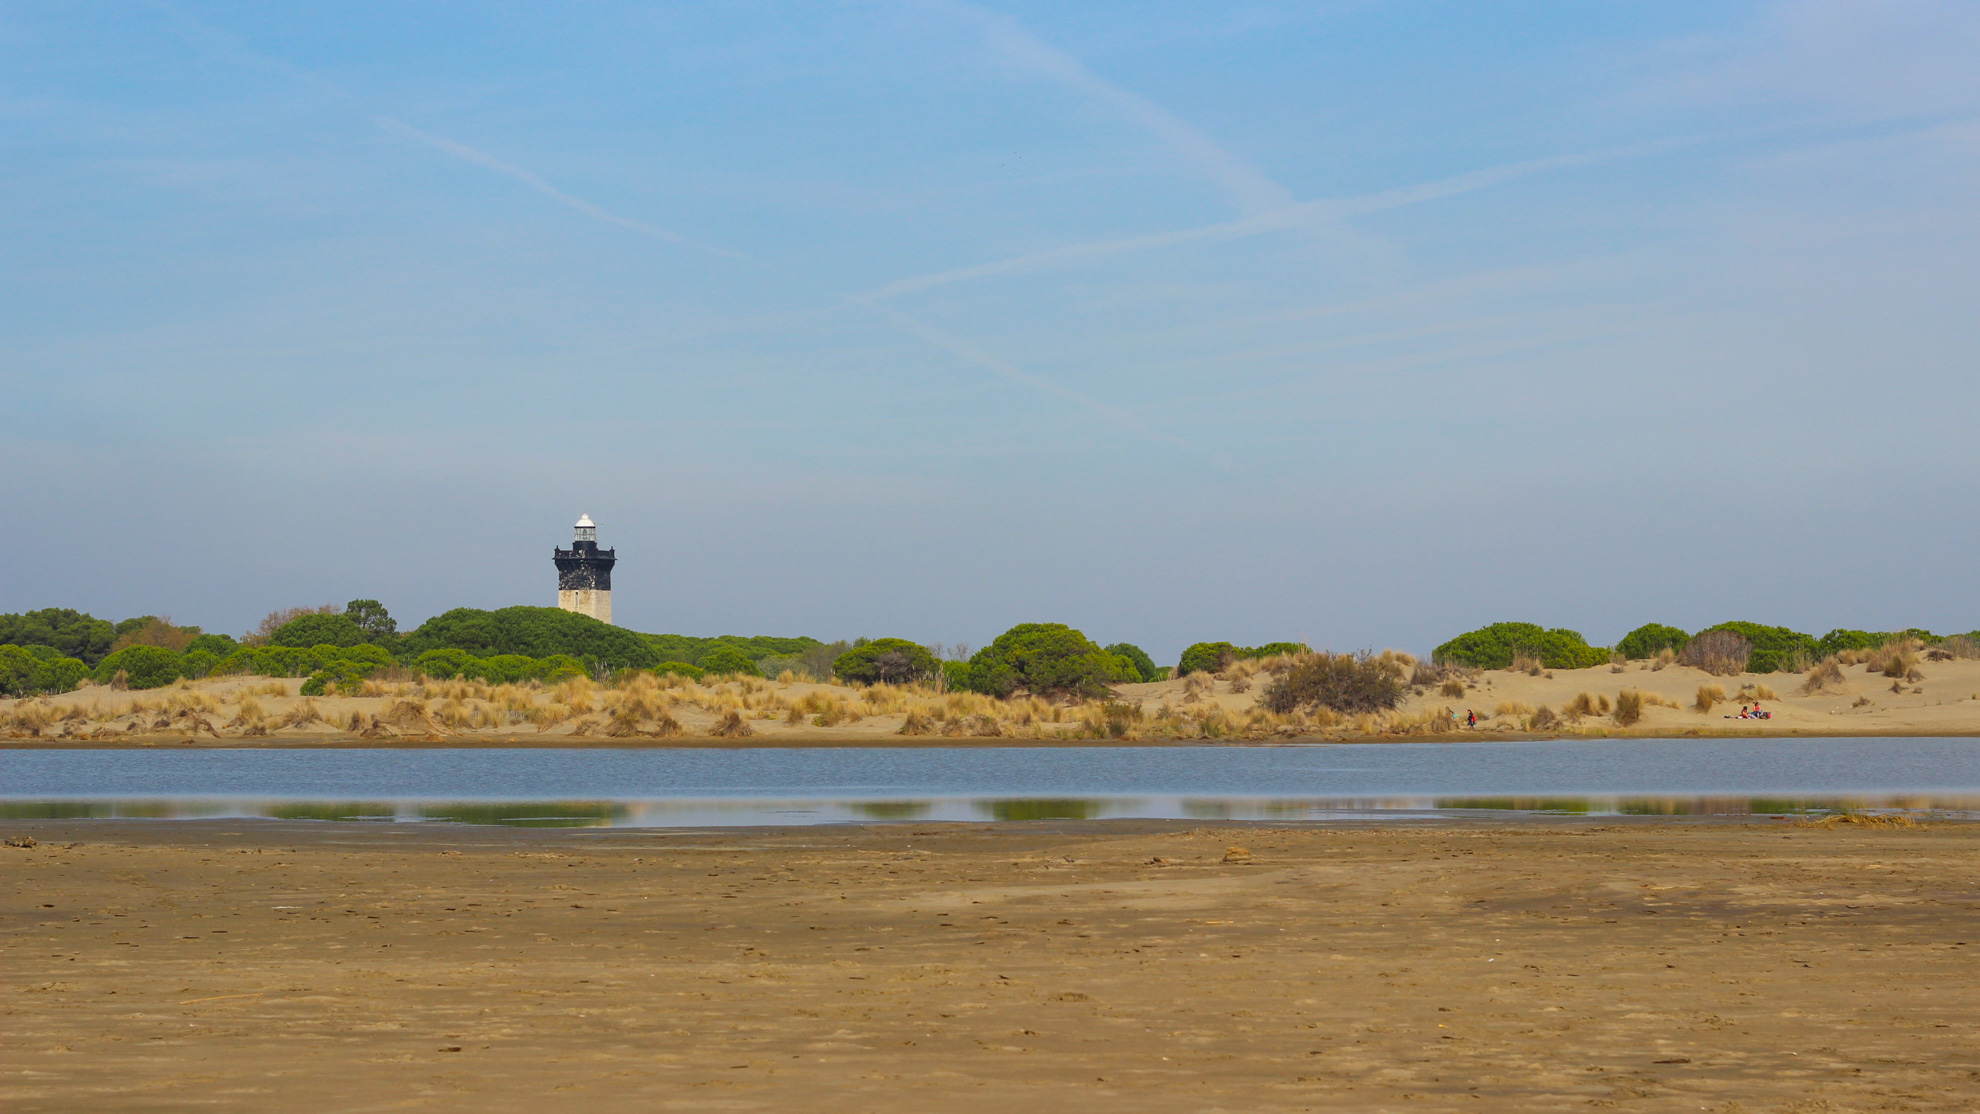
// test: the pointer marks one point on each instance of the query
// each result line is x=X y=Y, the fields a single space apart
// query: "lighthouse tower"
x=584 y=574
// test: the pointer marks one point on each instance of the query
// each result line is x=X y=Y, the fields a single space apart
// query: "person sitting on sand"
x=1742 y=712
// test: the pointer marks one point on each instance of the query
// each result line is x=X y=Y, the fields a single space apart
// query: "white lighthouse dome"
x=584 y=522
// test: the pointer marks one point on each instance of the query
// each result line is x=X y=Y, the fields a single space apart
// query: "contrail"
x=973 y=355
x=1299 y=215
x=1249 y=189
x=482 y=159
x=229 y=47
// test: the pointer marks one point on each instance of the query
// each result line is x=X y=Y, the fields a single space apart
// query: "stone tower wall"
x=594 y=602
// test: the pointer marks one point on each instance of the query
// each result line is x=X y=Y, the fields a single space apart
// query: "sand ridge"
x=265 y=712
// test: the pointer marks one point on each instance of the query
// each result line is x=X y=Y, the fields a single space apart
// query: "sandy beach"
x=262 y=712
x=1547 y=965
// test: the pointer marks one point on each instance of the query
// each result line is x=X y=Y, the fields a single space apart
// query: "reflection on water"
x=890 y=810
x=1047 y=809
x=692 y=787
x=744 y=812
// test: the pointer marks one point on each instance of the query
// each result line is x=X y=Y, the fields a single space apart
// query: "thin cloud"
x=482 y=159
x=1250 y=189
x=229 y=47
x=1306 y=214
x=970 y=354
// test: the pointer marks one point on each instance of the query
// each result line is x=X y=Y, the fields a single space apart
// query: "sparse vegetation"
x=1215 y=657
x=1722 y=653
x=1344 y=683
x=1629 y=707
x=1823 y=677
x=1769 y=649
x=1708 y=696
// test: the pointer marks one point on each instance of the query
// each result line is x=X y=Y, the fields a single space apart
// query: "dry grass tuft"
x=1583 y=704
x=1453 y=688
x=1825 y=676
x=732 y=726
x=303 y=714
x=1708 y=695
x=1531 y=666
x=1513 y=708
x=1664 y=659
x=1853 y=818
x=1629 y=707
x=1543 y=719
x=917 y=724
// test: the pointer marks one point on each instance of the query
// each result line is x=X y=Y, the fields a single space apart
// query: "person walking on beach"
x=1471 y=719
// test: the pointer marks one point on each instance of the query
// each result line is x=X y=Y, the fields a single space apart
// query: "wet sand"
x=1116 y=966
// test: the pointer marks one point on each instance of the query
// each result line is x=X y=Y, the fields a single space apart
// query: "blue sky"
x=1362 y=323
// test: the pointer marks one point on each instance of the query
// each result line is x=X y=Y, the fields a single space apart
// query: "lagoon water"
x=693 y=787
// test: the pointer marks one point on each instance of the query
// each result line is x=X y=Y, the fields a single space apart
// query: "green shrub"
x=197 y=663
x=955 y=675
x=20 y=672
x=885 y=661
x=369 y=656
x=62 y=674
x=728 y=659
x=1347 y=683
x=447 y=664
x=537 y=632
x=1212 y=657
x=318 y=683
x=560 y=667
x=219 y=645
x=506 y=669
x=1836 y=641
x=1044 y=658
x=318 y=629
x=371 y=617
x=1775 y=649
x=813 y=661
x=144 y=667
x=1206 y=657
x=679 y=669
x=687 y=648
x=71 y=633
x=1646 y=640
x=1138 y=666
x=1495 y=646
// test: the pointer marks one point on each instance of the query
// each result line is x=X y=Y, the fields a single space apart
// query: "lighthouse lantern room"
x=584 y=574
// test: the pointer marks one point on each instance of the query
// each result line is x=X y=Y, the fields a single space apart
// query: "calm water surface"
x=695 y=787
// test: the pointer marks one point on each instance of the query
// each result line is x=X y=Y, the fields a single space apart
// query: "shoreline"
x=839 y=740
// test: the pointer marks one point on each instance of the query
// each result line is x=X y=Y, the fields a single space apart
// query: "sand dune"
x=269 y=712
